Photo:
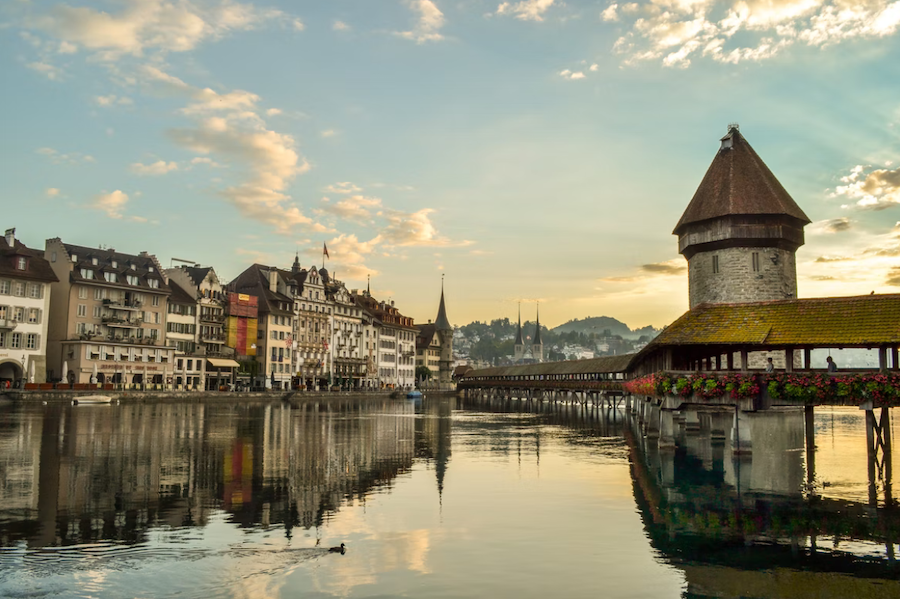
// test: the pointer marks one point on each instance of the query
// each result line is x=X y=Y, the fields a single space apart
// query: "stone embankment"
x=136 y=396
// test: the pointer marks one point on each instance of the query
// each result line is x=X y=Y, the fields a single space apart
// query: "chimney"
x=10 y=235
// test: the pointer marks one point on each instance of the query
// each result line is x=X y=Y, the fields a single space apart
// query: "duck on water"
x=342 y=549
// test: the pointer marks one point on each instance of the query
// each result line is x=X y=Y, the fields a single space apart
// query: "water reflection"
x=74 y=475
x=475 y=498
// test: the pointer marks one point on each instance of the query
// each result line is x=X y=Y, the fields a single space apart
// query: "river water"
x=445 y=498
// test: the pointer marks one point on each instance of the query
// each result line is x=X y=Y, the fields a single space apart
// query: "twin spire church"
x=535 y=351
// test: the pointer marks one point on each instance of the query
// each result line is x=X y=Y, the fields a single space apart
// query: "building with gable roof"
x=275 y=325
x=740 y=231
x=25 y=279
x=312 y=328
x=393 y=342
x=434 y=345
x=107 y=315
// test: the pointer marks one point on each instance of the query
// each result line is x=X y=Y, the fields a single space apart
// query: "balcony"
x=125 y=323
x=122 y=305
x=7 y=324
x=212 y=317
x=212 y=337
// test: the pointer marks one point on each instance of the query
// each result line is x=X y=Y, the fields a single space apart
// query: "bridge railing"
x=799 y=387
x=567 y=384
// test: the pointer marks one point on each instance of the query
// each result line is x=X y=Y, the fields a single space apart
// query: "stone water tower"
x=741 y=230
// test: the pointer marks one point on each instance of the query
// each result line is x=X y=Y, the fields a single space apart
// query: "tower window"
x=755 y=260
x=715 y=265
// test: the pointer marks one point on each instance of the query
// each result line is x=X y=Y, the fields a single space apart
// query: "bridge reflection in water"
x=764 y=524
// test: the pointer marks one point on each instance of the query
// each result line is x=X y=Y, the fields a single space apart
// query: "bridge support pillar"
x=651 y=421
x=691 y=422
x=666 y=430
x=741 y=441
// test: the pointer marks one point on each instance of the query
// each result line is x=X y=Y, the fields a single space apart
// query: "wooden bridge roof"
x=604 y=364
x=856 y=321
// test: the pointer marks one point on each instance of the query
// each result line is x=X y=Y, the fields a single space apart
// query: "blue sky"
x=530 y=151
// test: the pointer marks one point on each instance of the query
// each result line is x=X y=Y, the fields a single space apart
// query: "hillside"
x=599 y=324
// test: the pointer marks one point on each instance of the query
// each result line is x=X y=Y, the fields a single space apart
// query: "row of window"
x=112 y=277
x=20 y=314
x=30 y=341
x=21 y=289
x=82 y=328
x=127 y=298
x=184 y=328
x=125 y=354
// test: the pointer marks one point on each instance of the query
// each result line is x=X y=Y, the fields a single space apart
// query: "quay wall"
x=33 y=397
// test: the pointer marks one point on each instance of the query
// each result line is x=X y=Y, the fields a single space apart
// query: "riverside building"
x=25 y=279
x=107 y=316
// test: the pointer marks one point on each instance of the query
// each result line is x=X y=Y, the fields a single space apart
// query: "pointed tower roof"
x=442 y=323
x=537 y=333
x=738 y=183
x=519 y=328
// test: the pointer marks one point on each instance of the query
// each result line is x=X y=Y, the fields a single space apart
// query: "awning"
x=219 y=363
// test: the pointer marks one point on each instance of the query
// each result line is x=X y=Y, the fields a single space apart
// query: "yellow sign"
x=243 y=297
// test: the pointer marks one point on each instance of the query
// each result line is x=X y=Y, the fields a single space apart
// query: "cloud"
x=48 y=70
x=876 y=190
x=527 y=10
x=594 y=67
x=343 y=187
x=207 y=161
x=413 y=229
x=828 y=259
x=427 y=27
x=893 y=277
x=671 y=267
x=356 y=208
x=348 y=255
x=52 y=192
x=340 y=26
x=328 y=133
x=676 y=31
x=111 y=203
x=610 y=13
x=112 y=100
x=142 y=25
x=830 y=226
x=273 y=112
x=57 y=157
x=568 y=74
x=160 y=167
x=298 y=25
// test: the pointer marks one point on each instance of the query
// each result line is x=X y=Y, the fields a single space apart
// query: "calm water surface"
x=440 y=499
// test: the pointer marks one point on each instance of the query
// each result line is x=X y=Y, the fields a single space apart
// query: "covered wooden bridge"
x=585 y=381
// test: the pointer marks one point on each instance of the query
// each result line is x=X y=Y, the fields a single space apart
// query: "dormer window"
x=150 y=268
x=87 y=273
x=115 y=264
x=132 y=279
x=94 y=261
x=153 y=283
x=21 y=263
x=74 y=257
x=111 y=277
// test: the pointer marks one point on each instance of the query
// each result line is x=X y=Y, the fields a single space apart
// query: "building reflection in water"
x=71 y=475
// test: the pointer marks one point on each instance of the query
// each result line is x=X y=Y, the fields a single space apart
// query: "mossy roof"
x=856 y=321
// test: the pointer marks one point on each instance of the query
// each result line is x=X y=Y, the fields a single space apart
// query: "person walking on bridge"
x=832 y=367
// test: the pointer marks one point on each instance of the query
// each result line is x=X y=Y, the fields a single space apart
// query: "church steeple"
x=442 y=323
x=296 y=266
x=537 y=346
x=519 y=347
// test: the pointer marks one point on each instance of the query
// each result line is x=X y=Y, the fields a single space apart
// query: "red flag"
x=325 y=251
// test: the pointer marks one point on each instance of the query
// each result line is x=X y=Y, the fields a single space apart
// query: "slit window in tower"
x=755 y=260
x=715 y=265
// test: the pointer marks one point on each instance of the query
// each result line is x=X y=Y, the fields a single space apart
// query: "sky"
x=532 y=151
